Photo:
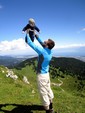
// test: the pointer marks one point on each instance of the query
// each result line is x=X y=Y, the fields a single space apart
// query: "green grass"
x=17 y=97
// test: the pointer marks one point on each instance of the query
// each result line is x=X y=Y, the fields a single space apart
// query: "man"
x=43 y=79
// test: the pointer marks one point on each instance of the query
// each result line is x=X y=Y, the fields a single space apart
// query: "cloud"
x=15 y=47
x=70 y=46
x=18 y=46
x=70 y=50
x=81 y=30
x=12 y=45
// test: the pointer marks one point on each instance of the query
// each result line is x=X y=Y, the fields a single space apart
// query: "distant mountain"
x=10 y=61
x=81 y=58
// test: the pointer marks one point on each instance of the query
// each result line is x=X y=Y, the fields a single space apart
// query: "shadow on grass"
x=18 y=108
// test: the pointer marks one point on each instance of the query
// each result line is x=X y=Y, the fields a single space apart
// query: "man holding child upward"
x=43 y=79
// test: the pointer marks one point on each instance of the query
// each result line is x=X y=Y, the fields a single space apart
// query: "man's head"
x=32 y=22
x=49 y=43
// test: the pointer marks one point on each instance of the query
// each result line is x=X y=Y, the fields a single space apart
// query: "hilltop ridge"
x=67 y=65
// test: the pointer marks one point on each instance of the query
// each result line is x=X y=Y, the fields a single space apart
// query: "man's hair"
x=51 y=43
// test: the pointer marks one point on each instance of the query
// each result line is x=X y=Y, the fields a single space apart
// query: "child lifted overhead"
x=30 y=29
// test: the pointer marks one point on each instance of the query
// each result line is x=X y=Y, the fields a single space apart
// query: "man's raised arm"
x=32 y=45
x=40 y=41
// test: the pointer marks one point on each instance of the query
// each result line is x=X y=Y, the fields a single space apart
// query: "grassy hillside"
x=19 y=97
x=71 y=66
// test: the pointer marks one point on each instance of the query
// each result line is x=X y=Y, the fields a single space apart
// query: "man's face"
x=46 y=42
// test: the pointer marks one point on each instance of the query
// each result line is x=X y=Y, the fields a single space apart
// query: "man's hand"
x=27 y=31
x=39 y=32
x=36 y=36
x=23 y=32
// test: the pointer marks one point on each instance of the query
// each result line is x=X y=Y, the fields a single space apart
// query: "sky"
x=61 y=20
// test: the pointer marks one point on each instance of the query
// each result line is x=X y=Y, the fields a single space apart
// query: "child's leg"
x=32 y=37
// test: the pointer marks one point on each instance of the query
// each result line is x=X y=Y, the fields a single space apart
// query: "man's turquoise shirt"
x=44 y=55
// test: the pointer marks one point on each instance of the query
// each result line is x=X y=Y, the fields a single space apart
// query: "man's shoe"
x=51 y=111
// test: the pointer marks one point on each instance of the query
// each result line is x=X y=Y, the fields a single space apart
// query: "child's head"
x=31 y=22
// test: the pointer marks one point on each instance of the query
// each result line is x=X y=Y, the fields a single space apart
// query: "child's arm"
x=37 y=29
x=25 y=28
